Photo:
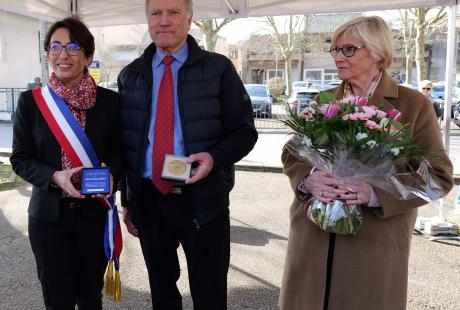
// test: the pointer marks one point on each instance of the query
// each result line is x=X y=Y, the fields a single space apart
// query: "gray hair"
x=189 y=4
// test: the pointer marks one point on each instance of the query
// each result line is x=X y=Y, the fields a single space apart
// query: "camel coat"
x=369 y=270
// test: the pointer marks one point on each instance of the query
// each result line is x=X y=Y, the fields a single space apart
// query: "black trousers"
x=168 y=221
x=70 y=255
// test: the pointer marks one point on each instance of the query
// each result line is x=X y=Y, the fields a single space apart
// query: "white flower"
x=371 y=143
x=361 y=135
x=308 y=110
x=307 y=141
x=395 y=151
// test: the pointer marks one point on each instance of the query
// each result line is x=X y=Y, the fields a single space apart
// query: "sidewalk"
x=259 y=210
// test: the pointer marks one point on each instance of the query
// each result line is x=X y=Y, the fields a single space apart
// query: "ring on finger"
x=358 y=197
x=321 y=193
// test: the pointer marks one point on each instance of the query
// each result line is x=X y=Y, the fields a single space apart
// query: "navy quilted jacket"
x=216 y=117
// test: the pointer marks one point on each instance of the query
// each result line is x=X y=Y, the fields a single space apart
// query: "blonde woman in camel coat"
x=368 y=270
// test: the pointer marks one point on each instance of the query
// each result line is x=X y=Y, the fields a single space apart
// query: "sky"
x=244 y=27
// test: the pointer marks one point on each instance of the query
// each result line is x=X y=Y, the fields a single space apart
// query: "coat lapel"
x=387 y=89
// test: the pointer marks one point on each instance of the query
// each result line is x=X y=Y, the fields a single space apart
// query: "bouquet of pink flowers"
x=356 y=142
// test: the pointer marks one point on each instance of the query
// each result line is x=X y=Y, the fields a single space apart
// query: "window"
x=330 y=75
x=313 y=75
x=272 y=73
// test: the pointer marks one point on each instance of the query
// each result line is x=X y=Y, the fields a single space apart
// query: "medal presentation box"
x=176 y=168
x=95 y=181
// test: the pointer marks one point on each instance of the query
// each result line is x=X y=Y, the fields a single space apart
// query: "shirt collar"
x=180 y=56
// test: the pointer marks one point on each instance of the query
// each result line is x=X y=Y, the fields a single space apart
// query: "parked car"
x=301 y=86
x=456 y=117
x=408 y=85
x=300 y=100
x=437 y=95
x=326 y=85
x=261 y=99
x=109 y=85
x=335 y=83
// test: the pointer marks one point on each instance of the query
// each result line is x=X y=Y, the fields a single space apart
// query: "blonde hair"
x=376 y=35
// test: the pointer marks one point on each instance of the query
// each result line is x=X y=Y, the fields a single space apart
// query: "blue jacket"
x=216 y=117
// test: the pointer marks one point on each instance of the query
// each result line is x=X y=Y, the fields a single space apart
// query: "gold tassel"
x=117 y=287
x=109 y=283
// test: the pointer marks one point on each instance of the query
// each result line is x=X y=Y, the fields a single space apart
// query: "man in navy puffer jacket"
x=213 y=128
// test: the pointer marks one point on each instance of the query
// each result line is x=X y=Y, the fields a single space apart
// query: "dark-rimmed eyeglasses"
x=72 y=48
x=426 y=88
x=347 y=50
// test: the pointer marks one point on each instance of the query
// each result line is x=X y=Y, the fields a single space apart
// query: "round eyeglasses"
x=347 y=50
x=72 y=49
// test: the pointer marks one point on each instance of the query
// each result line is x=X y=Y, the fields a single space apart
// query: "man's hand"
x=205 y=164
x=129 y=224
x=62 y=179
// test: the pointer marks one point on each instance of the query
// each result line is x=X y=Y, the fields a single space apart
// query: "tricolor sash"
x=79 y=150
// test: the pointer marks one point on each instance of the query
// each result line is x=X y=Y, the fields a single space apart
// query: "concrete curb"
x=254 y=168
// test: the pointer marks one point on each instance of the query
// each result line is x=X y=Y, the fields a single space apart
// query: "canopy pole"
x=74 y=7
x=450 y=65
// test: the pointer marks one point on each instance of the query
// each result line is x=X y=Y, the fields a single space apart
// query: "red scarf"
x=78 y=99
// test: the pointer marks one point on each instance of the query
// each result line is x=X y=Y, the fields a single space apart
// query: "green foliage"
x=5 y=173
x=362 y=131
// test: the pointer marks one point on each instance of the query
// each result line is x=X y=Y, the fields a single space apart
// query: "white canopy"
x=120 y=12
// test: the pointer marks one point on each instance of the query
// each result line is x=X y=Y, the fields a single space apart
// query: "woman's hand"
x=324 y=187
x=361 y=194
x=111 y=186
x=62 y=179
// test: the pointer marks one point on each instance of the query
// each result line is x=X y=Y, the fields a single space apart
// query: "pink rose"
x=351 y=117
x=350 y=99
x=306 y=116
x=329 y=110
x=372 y=125
x=394 y=114
x=369 y=110
x=362 y=101
x=381 y=114
x=365 y=115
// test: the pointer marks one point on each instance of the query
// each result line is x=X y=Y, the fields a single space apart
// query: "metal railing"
x=272 y=120
x=8 y=102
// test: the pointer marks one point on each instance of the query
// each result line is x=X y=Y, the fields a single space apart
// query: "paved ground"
x=259 y=230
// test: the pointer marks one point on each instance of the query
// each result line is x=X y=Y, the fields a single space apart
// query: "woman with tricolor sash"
x=60 y=128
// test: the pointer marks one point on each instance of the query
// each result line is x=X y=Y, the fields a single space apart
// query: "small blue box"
x=95 y=181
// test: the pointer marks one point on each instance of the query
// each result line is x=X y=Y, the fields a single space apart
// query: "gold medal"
x=177 y=167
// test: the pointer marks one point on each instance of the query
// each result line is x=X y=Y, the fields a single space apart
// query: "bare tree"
x=210 y=28
x=408 y=39
x=424 y=26
x=261 y=49
x=288 y=40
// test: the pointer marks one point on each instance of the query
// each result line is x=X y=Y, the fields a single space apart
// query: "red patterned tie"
x=164 y=128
